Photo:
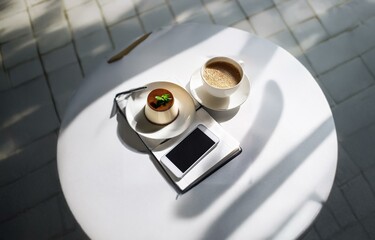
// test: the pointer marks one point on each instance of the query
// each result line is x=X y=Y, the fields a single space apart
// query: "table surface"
x=274 y=189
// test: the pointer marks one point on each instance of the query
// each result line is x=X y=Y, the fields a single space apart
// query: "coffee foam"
x=221 y=75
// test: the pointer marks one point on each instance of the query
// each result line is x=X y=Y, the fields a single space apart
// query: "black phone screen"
x=189 y=150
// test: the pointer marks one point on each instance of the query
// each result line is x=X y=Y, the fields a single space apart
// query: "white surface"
x=273 y=189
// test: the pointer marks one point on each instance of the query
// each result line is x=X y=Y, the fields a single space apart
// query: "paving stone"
x=322 y=6
x=244 y=25
x=27 y=113
x=355 y=113
x=65 y=79
x=360 y=196
x=125 y=32
x=69 y=221
x=311 y=234
x=326 y=224
x=295 y=11
x=5 y=83
x=29 y=191
x=225 y=12
x=74 y=3
x=267 y=22
x=59 y=58
x=302 y=59
x=26 y=71
x=31 y=3
x=156 y=18
x=364 y=9
x=339 y=19
x=352 y=232
x=11 y=7
x=252 y=7
x=62 y=102
x=309 y=33
x=363 y=37
x=347 y=79
x=15 y=26
x=286 y=41
x=346 y=169
x=19 y=50
x=104 y=2
x=331 y=53
x=28 y=159
x=339 y=208
x=92 y=49
x=279 y=1
x=143 y=6
x=189 y=10
x=369 y=223
x=46 y=14
x=53 y=37
x=370 y=176
x=118 y=10
x=77 y=234
x=41 y=222
x=85 y=19
x=327 y=95
x=64 y=83
x=198 y=17
x=369 y=59
x=90 y=64
x=93 y=45
x=360 y=148
x=185 y=8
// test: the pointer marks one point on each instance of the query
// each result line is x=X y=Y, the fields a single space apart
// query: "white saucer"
x=215 y=103
x=137 y=120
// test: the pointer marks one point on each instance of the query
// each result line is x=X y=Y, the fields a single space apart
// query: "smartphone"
x=187 y=153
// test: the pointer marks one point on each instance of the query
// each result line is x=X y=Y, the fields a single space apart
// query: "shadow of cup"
x=128 y=137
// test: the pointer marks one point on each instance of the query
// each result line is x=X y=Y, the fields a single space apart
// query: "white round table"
x=273 y=190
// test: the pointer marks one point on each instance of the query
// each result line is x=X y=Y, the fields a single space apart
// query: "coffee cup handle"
x=241 y=62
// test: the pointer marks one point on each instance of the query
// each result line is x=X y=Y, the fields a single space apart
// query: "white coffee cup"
x=221 y=76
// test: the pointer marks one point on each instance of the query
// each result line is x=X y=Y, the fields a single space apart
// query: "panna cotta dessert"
x=161 y=107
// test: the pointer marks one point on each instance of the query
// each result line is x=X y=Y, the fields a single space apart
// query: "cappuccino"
x=221 y=75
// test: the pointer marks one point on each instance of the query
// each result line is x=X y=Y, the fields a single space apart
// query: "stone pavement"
x=47 y=47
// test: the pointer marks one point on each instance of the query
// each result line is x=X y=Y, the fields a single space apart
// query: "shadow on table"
x=128 y=137
x=195 y=202
x=232 y=217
